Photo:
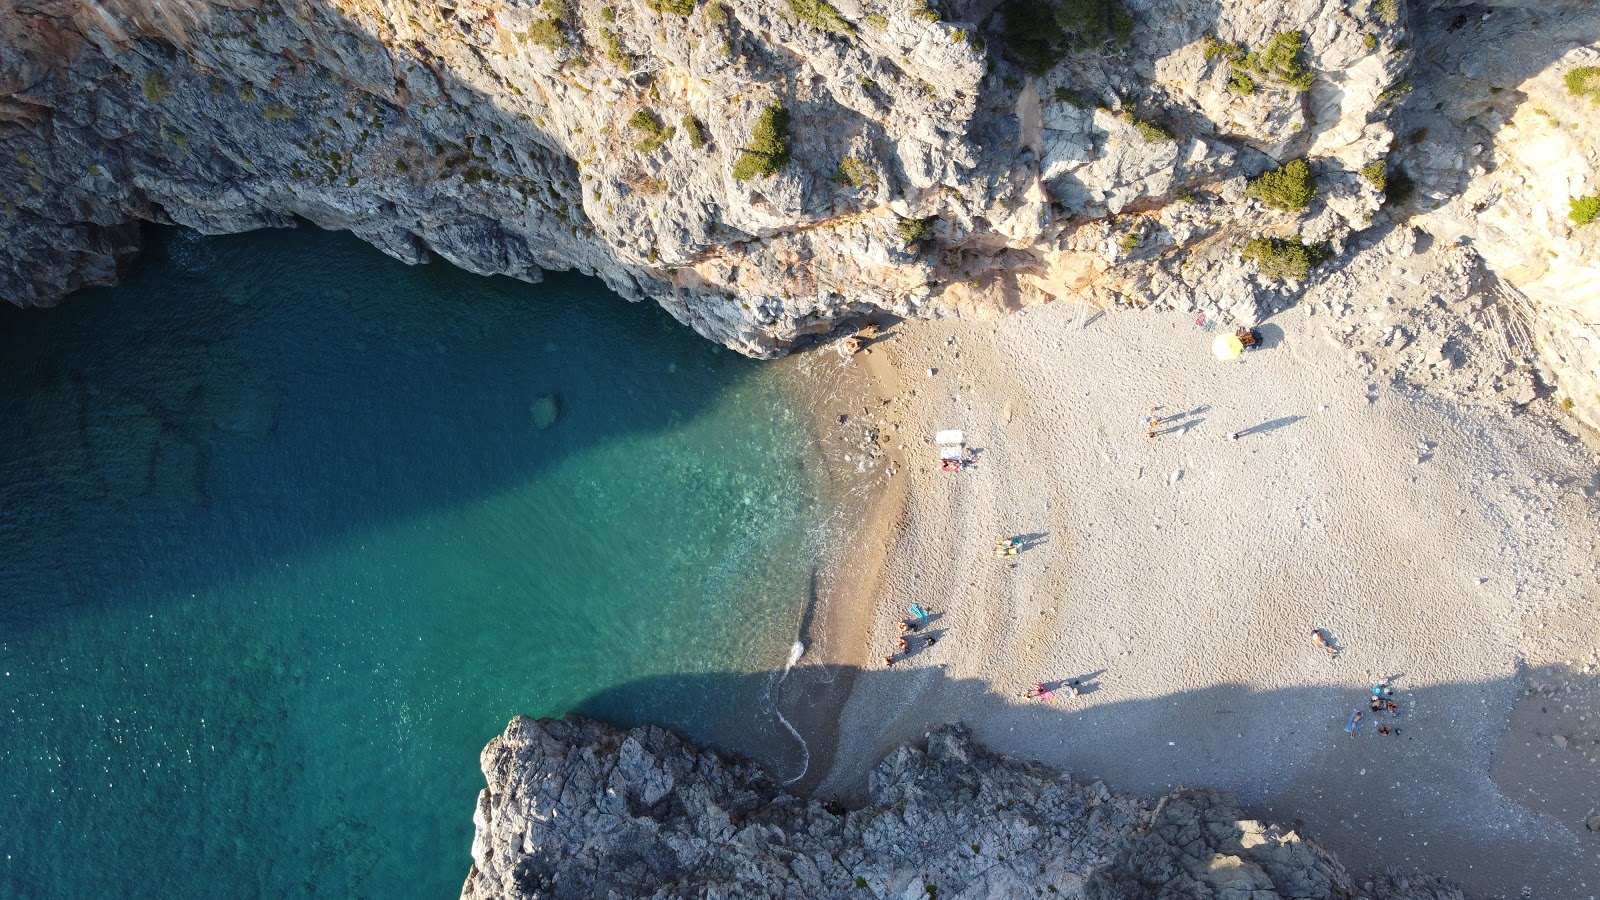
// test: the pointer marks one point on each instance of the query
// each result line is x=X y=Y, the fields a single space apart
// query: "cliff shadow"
x=1419 y=799
x=240 y=402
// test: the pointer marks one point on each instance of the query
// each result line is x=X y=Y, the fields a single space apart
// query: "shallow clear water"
x=285 y=545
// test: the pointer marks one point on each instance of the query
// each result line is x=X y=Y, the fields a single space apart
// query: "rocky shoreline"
x=575 y=808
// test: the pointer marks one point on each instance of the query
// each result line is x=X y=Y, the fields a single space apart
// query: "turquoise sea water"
x=285 y=544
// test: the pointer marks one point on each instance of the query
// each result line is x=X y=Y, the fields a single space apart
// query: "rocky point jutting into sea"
x=930 y=159
x=576 y=808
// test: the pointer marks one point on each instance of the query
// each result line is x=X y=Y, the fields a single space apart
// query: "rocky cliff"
x=768 y=168
x=575 y=808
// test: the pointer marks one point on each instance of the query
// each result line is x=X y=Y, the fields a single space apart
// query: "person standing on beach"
x=1355 y=724
x=888 y=662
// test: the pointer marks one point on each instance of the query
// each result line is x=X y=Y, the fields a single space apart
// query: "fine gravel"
x=1449 y=550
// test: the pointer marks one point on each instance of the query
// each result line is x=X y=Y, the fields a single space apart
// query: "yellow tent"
x=1227 y=347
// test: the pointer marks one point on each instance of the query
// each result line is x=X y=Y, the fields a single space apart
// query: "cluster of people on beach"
x=910 y=641
x=1381 y=705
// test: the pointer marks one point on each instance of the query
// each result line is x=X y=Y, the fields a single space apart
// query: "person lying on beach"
x=1385 y=730
x=888 y=662
x=1355 y=724
x=904 y=627
x=902 y=645
x=1376 y=704
x=1320 y=641
x=1391 y=707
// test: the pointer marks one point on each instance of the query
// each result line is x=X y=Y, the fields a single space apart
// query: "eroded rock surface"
x=928 y=172
x=575 y=808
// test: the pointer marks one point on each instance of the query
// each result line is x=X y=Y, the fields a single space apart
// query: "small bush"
x=652 y=134
x=717 y=14
x=696 y=130
x=247 y=92
x=1377 y=174
x=1282 y=60
x=769 y=147
x=1241 y=83
x=612 y=42
x=922 y=9
x=1150 y=131
x=1369 y=41
x=1584 y=210
x=155 y=87
x=1585 y=82
x=856 y=173
x=913 y=230
x=876 y=21
x=1215 y=48
x=861 y=882
x=548 y=34
x=1032 y=37
x=676 y=7
x=1291 y=187
x=1388 y=11
x=277 y=112
x=1399 y=189
x=1095 y=21
x=821 y=15
x=1130 y=242
x=1283 y=258
x=1071 y=98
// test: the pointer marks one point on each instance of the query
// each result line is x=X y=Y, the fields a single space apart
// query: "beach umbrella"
x=1227 y=347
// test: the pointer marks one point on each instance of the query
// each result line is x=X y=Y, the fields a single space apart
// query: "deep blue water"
x=285 y=544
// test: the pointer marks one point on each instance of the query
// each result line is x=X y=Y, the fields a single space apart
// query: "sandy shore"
x=1450 y=550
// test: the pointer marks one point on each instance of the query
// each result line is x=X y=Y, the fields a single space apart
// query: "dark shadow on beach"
x=1421 y=800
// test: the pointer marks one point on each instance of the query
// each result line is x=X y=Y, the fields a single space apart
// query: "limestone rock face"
x=927 y=175
x=574 y=808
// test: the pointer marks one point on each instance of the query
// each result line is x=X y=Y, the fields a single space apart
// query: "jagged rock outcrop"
x=928 y=173
x=578 y=809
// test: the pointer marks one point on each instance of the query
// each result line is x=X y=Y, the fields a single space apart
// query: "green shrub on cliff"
x=1282 y=61
x=855 y=173
x=612 y=42
x=821 y=15
x=1584 y=81
x=676 y=7
x=1095 y=22
x=913 y=230
x=769 y=148
x=1283 y=258
x=652 y=134
x=155 y=87
x=696 y=130
x=1399 y=188
x=1038 y=33
x=1584 y=210
x=1280 y=66
x=547 y=33
x=1151 y=131
x=1291 y=187
x=1377 y=174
